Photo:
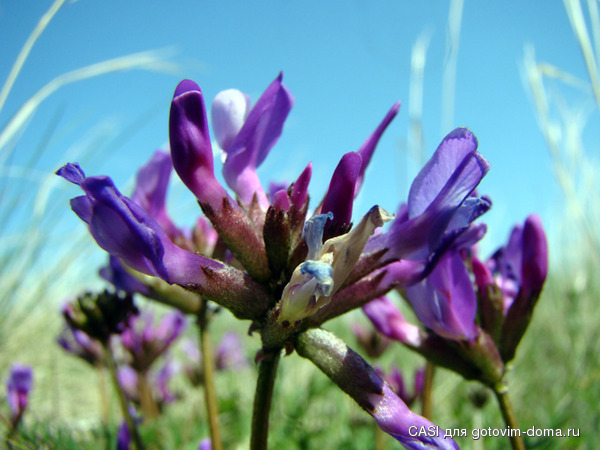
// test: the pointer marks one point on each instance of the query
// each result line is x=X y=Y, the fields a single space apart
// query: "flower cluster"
x=472 y=327
x=263 y=257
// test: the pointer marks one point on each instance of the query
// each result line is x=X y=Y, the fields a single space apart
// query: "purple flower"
x=230 y=352
x=124 y=435
x=395 y=379
x=18 y=385
x=440 y=206
x=445 y=301
x=191 y=150
x=205 y=444
x=327 y=265
x=116 y=274
x=81 y=345
x=519 y=270
x=127 y=231
x=151 y=191
x=145 y=342
x=523 y=263
x=256 y=137
x=411 y=430
x=390 y=322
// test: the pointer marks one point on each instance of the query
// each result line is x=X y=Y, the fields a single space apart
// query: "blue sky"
x=345 y=62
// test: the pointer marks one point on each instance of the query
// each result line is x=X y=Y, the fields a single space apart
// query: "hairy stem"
x=210 y=393
x=267 y=371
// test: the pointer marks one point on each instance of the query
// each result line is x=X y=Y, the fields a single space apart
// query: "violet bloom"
x=81 y=345
x=128 y=232
x=230 y=352
x=445 y=301
x=517 y=272
x=18 y=385
x=151 y=191
x=440 y=206
x=145 y=342
x=247 y=136
x=523 y=263
x=395 y=379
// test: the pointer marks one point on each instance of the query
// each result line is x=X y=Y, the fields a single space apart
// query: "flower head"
x=18 y=385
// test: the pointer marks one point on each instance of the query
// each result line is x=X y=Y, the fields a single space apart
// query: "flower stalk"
x=267 y=371
x=427 y=392
x=123 y=404
x=212 y=408
x=508 y=414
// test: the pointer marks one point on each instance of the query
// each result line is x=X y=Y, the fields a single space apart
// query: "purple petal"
x=390 y=322
x=454 y=149
x=230 y=352
x=535 y=256
x=257 y=136
x=281 y=200
x=128 y=380
x=410 y=429
x=151 y=190
x=445 y=302
x=71 y=172
x=440 y=203
x=191 y=150
x=170 y=328
x=127 y=231
x=340 y=195
x=367 y=149
x=18 y=385
x=299 y=194
x=116 y=274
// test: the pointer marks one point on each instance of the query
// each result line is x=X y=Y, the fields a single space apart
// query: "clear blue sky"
x=346 y=62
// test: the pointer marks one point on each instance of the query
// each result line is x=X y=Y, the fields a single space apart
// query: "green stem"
x=147 y=403
x=267 y=371
x=131 y=425
x=379 y=438
x=103 y=394
x=427 y=392
x=210 y=393
x=508 y=414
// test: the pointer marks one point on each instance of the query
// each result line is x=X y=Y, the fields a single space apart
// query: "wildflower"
x=145 y=342
x=268 y=263
x=513 y=278
x=81 y=345
x=396 y=380
x=128 y=232
x=257 y=134
x=445 y=301
x=327 y=265
x=230 y=354
x=18 y=385
x=100 y=315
